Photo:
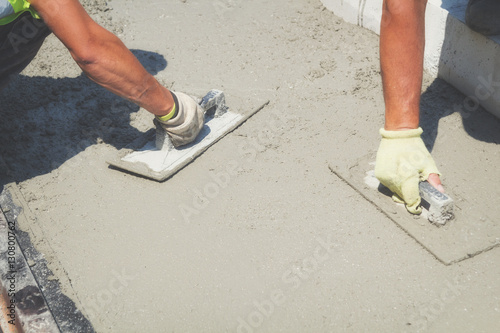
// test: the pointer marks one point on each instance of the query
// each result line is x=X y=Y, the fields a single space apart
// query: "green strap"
x=168 y=116
x=19 y=6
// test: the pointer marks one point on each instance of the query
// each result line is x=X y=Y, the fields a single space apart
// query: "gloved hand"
x=185 y=126
x=402 y=162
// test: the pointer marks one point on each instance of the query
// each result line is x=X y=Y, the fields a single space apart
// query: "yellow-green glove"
x=402 y=162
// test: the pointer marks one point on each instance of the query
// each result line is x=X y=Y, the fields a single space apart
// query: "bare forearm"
x=102 y=56
x=114 y=67
x=402 y=42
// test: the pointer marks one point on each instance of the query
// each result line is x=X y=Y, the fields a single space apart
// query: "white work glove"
x=185 y=126
x=402 y=162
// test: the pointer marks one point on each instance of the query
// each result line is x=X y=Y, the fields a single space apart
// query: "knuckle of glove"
x=186 y=126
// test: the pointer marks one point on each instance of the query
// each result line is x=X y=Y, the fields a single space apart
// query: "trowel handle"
x=430 y=194
x=441 y=206
x=214 y=103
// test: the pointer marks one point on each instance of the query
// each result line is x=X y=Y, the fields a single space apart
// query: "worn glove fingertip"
x=415 y=209
x=397 y=198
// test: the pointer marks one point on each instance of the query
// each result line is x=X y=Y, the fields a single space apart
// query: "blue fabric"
x=5 y=9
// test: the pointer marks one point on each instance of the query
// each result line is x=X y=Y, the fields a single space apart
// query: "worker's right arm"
x=402 y=158
x=102 y=56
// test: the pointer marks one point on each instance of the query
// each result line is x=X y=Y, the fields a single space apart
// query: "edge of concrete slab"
x=445 y=243
x=24 y=307
x=465 y=59
x=61 y=313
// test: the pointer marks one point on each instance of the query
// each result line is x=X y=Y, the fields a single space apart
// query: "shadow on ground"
x=441 y=100
x=47 y=121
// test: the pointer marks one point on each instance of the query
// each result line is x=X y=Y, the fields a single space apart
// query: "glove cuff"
x=165 y=119
x=406 y=134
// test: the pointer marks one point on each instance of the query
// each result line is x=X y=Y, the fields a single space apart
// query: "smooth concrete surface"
x=467 y=60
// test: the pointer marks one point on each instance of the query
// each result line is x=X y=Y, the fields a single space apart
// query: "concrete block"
x=365 y=13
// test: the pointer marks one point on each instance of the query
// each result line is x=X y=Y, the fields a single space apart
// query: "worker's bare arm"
x=401 y=58
x=402 y=41
x=102 y=55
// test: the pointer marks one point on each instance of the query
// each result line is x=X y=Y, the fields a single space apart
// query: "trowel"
x=154 y=156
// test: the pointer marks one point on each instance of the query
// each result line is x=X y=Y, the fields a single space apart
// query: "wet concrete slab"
x=474 y=230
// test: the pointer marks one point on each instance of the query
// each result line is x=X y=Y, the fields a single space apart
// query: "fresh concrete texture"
x=467 y=60
x=475 y=228
x=257 y=234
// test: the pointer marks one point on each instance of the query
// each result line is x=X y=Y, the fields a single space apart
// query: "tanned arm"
x=102 y=56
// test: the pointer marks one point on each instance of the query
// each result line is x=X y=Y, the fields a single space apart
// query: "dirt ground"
x=257 y=235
